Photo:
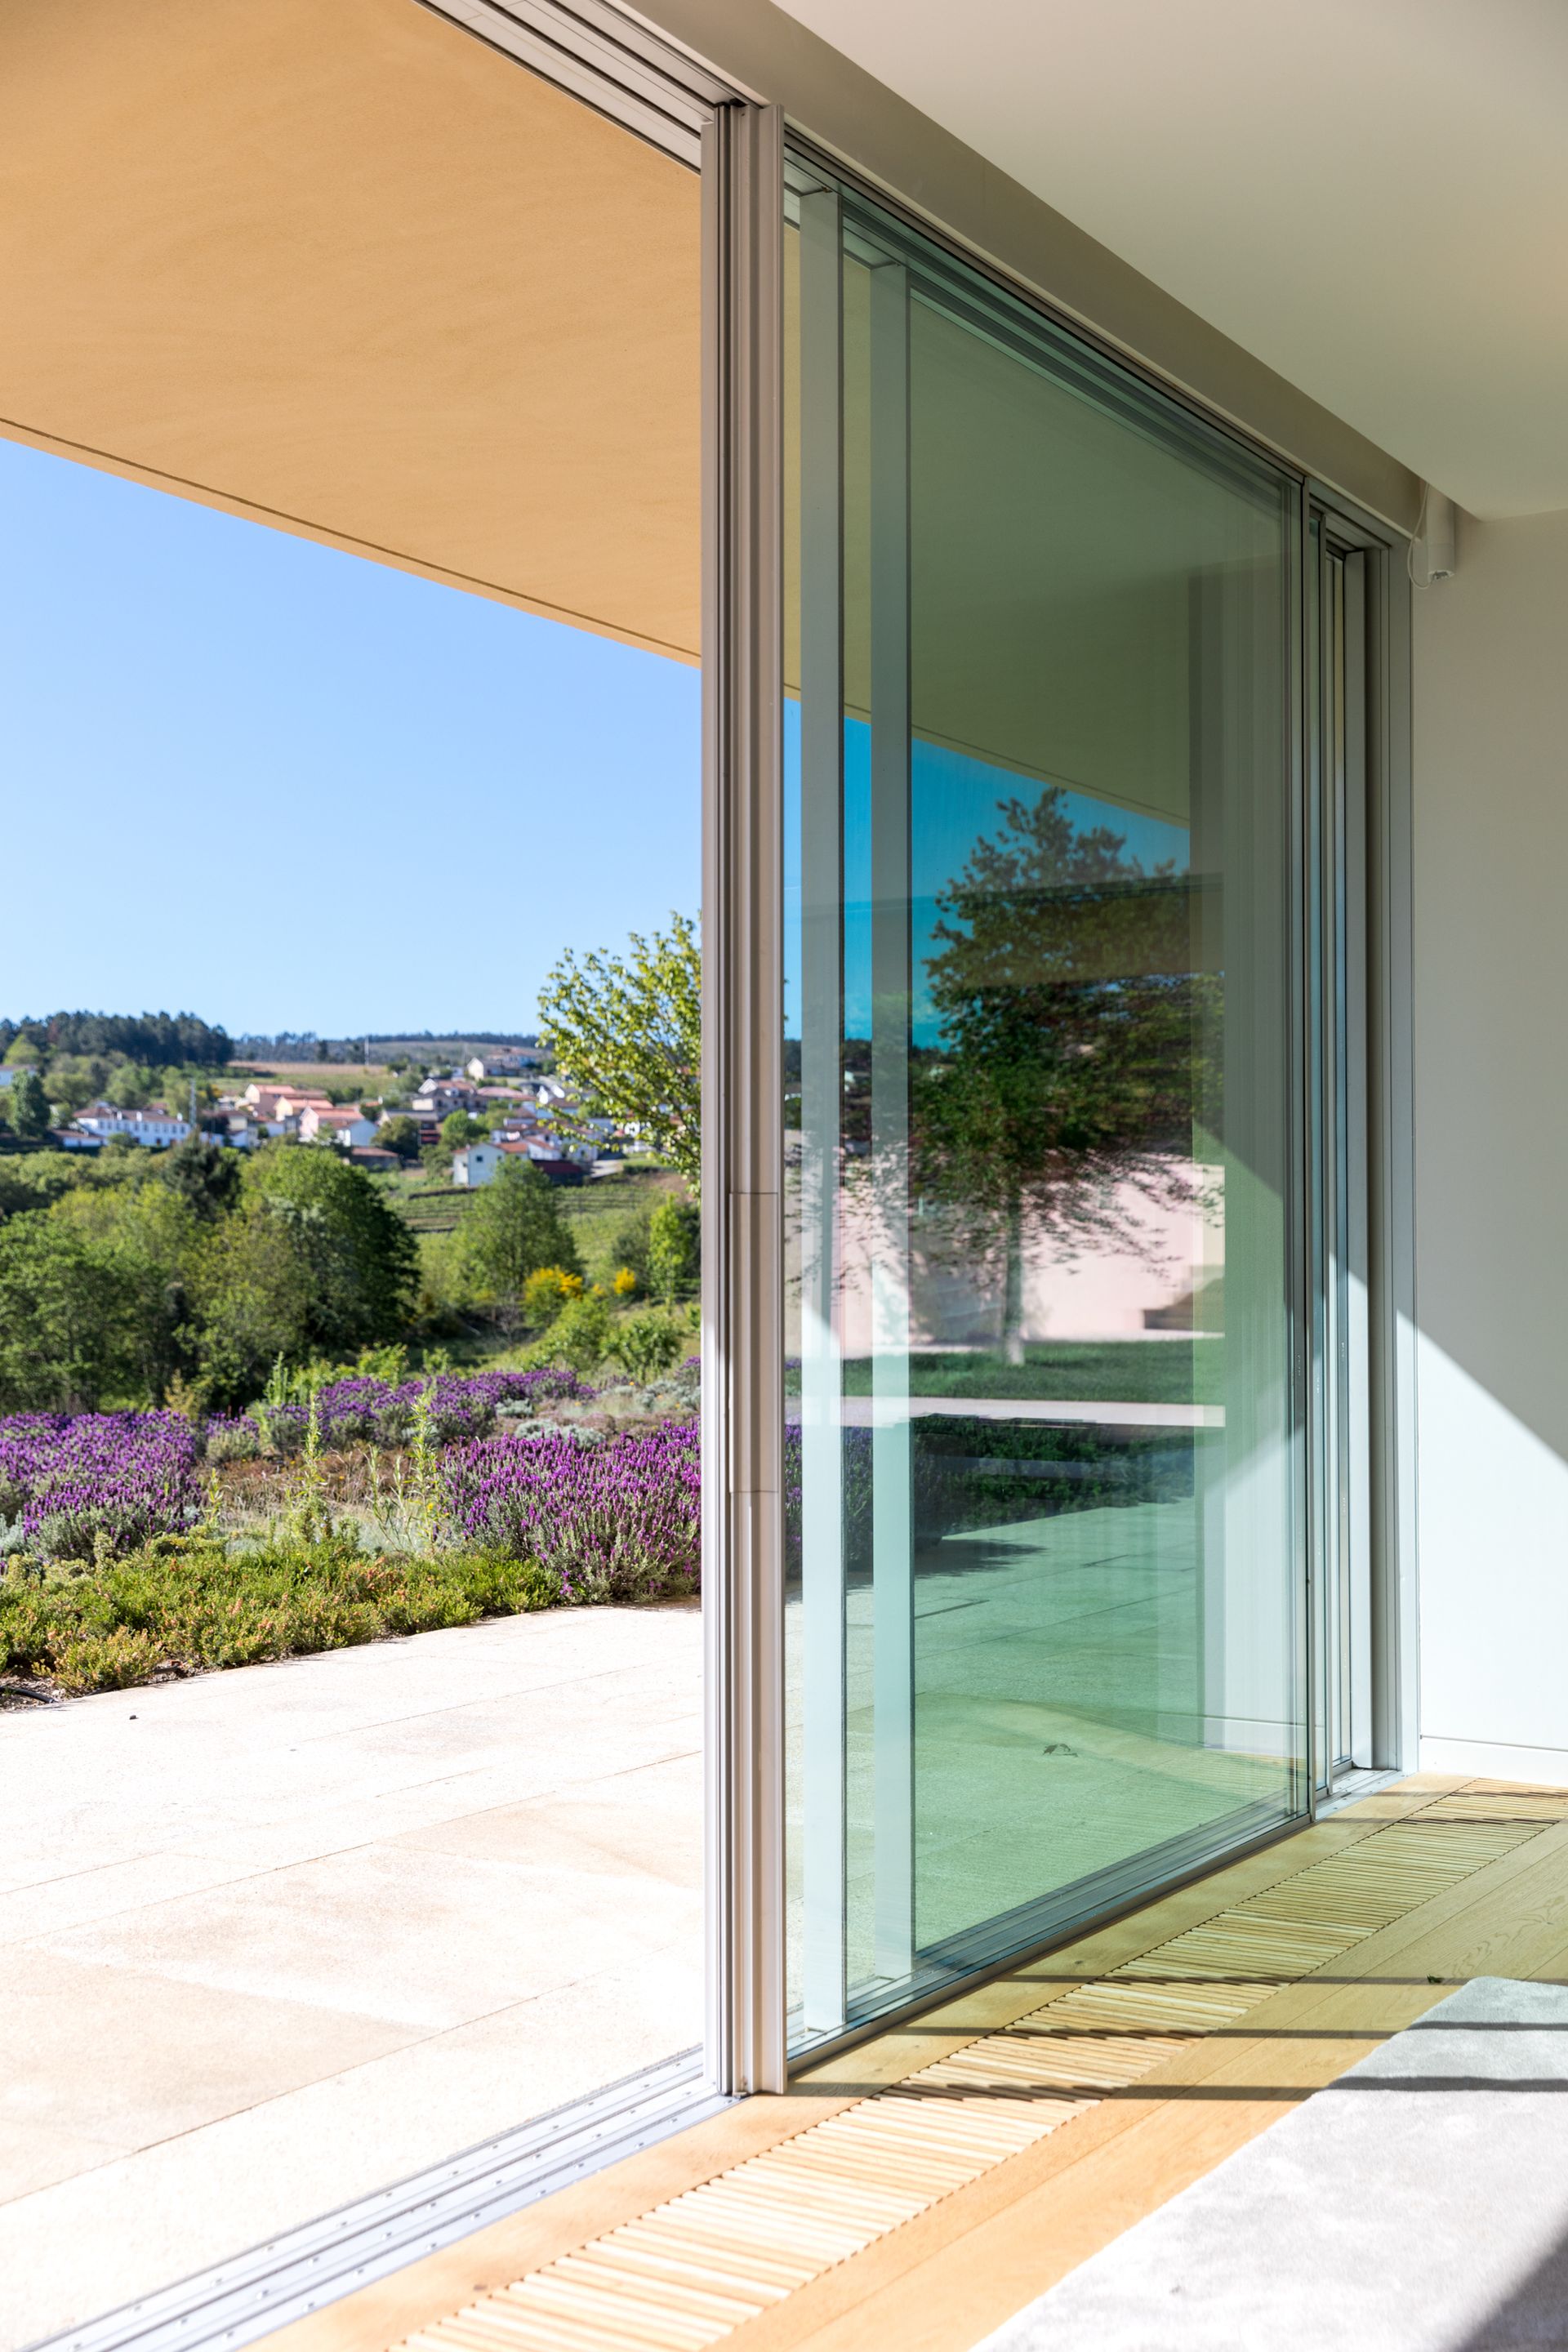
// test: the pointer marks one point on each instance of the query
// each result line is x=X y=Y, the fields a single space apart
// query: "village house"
x=476 y=1164
x=516 y=1127
x=278 y=1110
x=343 y=1123
x=505 y=1062
x=240 y=1125
x=434 y=1098
x=155 y=1127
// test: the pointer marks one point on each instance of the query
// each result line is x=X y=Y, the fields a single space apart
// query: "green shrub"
x=232 y=1440
x=546 y=1292
x=673 y=1243
x=580 y=1335
x=645 y=1345
x=183 y=1605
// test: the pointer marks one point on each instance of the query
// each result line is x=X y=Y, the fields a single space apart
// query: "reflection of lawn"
x=1060 y=1678
x=1061 y=1728
x=1125 y=1371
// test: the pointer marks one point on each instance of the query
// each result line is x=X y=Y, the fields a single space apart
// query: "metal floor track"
x=296 y=2272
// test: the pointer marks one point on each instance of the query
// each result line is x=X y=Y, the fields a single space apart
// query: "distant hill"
x=418 y=1044
x=159 y=1041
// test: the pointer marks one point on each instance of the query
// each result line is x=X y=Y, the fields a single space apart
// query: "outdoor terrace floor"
x=274 y=1937
x=917 y=2191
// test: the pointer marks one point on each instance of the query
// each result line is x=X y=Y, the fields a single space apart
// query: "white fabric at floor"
x=1419 y=2204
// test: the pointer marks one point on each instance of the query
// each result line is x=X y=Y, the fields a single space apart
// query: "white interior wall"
x=1491 y=1151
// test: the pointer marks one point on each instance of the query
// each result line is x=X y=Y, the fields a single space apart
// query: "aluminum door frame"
x=1383 y=1677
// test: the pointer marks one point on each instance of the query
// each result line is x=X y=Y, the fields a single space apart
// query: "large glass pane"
x=1044 y=1601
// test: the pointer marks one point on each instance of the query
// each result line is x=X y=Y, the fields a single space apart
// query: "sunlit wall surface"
x=1043 y=1601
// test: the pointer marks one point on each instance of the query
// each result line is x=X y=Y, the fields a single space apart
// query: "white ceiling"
x=1372 y=196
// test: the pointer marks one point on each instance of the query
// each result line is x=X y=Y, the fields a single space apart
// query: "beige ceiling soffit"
x=354 y=274
x=881 y=135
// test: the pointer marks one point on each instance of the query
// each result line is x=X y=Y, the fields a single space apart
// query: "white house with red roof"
x=342 y=1123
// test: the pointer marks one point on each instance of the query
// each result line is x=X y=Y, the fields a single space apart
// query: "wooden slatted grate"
x=1501 y=1805
x=686 y=2274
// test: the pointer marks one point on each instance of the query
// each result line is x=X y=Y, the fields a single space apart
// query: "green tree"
x=673 y=1246
x=515 y=1226
x=459 y=1129
x=252 y=1283
x=399 y=1135
x=628 y=1245
x=130 y=1088
x=628 y=1034
x=74 y=1080
x=204 y=1174
x=28 y=1106
x=363 y=1257
x=32 y=1180
x=312 y=1260
x=645 y=1345
x=67 y=1320
x=150 y=1233
x=1073 y=1028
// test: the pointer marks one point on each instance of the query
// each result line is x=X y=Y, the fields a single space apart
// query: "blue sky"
x=286 y=788
x=954 y=802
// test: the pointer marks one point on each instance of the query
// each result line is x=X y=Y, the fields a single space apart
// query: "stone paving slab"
x=271 y=1939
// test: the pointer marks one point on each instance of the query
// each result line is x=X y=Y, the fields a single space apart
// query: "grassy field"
x=371 y=1078
x=428 y=1208
x=598 y=1210
x=595 y=1211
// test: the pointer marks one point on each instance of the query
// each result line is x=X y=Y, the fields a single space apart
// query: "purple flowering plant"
x=69 y=1482
x=362 y=1410
x=615 y=1520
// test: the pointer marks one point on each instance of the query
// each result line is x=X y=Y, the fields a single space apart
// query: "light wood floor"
x=916 y=2192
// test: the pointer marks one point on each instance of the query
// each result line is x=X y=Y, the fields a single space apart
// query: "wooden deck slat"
x=732 y=2253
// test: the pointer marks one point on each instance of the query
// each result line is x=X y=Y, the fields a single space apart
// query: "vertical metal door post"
x=892 y=1468
x=823 y=1630
x=742 y=1143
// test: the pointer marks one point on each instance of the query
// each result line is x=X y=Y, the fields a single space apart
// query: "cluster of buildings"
x=243 y=1121
x=543 y=1121
x=530 y=1115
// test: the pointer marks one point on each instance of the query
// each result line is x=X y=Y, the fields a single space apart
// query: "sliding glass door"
x=1045 y=1616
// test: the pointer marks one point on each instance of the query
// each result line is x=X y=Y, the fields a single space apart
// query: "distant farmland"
x=370 y=1076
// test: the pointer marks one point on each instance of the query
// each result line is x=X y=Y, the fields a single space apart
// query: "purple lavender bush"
x=69 y=1480
x=462 y=1406
x=618 y=1521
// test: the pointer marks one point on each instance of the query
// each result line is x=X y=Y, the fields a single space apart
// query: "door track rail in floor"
x=298 y=2271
